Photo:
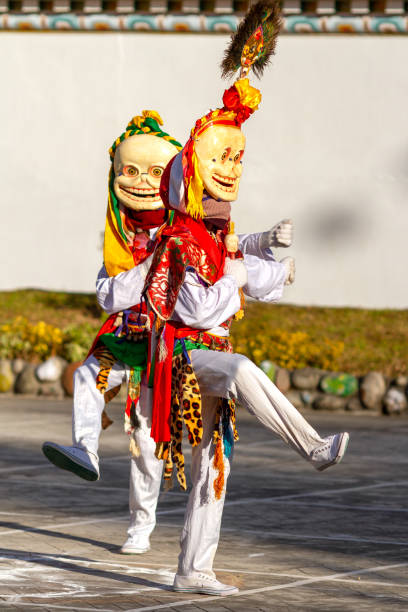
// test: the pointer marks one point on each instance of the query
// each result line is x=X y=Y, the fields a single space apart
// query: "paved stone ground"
x=292 y=538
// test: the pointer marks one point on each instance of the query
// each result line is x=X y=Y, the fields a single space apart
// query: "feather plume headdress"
x=251 y=47
x=254 y=42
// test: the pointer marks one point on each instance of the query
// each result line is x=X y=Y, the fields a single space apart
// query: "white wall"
x=328 y=147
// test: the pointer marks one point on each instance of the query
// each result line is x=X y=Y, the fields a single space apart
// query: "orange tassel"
x=219 y=465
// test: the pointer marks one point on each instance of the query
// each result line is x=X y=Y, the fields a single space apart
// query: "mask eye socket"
x=238 y=157
x=156 y=171
x=130 y=171
x=225 y=154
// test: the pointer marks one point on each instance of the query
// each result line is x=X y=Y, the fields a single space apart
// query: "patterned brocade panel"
x=211 y=16
x=300 y=24
x=235 y=7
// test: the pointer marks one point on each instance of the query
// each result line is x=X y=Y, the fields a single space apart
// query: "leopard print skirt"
x=186 y=412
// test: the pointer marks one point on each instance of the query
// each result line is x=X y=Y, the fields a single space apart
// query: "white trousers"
x=145 y=470
x=202 y=521
x=237 y=377
x=233 y=377
x=219 y=375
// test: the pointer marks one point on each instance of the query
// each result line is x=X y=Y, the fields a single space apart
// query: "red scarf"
x=145 y=219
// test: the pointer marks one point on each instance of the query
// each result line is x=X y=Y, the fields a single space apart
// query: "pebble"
x=282 y=380
x=401 y=381
x=27 y=381
x=330 y=402
x=354 y=405
x=342 y=385
x=295 y=399
x=52 y=389
x=395 y=401
x=306 y=378
x=308 y=397
x=372 y=390
x=51 y=369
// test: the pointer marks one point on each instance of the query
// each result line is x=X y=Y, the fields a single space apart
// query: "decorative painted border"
x=293 y=24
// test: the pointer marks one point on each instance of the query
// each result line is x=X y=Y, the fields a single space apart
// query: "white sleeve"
x=249 y=245
x=266 y=279
x=206 y=307
x=115 y=293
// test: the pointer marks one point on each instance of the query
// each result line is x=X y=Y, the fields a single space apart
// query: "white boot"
x=76 y=460
x=331 y=452
x=202 y=583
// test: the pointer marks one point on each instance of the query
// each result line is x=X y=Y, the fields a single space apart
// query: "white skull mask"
x=139 y=164
x=219 y=151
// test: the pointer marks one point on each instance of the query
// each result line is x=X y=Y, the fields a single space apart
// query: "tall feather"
x=265 y=13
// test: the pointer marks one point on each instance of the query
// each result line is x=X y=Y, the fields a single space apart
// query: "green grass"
x=54 y=307
x=374 y=339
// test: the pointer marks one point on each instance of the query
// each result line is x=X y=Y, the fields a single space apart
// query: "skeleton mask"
x=219 y=151
x=139 y=164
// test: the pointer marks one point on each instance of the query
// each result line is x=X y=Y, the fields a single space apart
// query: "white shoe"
x=204 y=584
x=331 y=452
x=76 y=460
x=136 y=545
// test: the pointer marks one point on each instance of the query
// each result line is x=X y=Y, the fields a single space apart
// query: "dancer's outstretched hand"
x=290 y=267
x=237 y=269
x=281 y=235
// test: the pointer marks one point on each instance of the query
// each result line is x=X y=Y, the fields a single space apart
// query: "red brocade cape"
x=185 y=243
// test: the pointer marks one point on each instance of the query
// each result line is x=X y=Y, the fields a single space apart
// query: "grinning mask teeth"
x=219 y=150
x=139 y=163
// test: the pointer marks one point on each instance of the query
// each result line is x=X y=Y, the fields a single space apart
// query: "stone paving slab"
x=292 y=538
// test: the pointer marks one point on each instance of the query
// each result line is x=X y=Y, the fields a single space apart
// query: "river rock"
x=354 y=405
x=269 y=368
x=52 y=389
x=372 y=390
x=67 y=378
x=306 y=378
x=295 y=399
x=330 y=402
x=6 y=376
x=308 y=397
x=342 y=385
x=27 y=381
x=282 y=380
x=401 y=380
x=51 y=369
x=18 y=365
x=395 y=401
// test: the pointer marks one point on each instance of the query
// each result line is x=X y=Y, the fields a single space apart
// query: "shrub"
x=30 y=341
x=38 y=341
x=77 y=341
x=286 y=349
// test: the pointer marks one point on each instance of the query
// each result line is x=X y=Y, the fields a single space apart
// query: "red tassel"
x=219 y=465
